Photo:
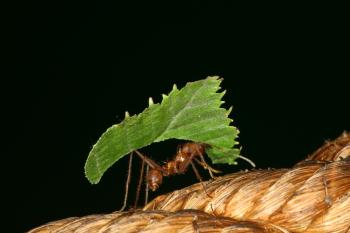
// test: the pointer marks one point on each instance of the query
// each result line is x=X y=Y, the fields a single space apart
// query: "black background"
x=79 y=66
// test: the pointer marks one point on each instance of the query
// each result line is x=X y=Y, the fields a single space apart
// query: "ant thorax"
x=180 y=157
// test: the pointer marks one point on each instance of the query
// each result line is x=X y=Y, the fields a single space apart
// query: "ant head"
x=154 y=179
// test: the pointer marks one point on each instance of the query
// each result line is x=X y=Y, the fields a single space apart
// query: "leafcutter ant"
x=187 y=154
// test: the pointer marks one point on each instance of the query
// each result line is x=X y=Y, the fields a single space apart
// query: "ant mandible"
x=185 y=155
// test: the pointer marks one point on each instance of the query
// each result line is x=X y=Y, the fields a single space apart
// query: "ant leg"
x=139 y=184
x=206 y=165
x=196 y=172
x=147 y=187
x=199 y=178
x=127 y=183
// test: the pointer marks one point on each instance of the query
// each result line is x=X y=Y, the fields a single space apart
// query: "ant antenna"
x=127 y=183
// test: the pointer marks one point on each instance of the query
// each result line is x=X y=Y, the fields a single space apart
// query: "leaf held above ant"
x=191 y=113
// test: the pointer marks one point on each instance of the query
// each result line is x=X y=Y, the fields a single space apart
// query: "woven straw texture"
x=313 y=196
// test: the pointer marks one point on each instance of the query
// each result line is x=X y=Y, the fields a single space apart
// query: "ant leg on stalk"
x=205 y=165
x=196 y=172
x=127 y=182
x=199 y=178
x=183 y=166
x=139 y=184
x=147 y=187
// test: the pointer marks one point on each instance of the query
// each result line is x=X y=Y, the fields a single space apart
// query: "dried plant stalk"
x=157 y=221
x=292 y=198
x=313 y=196
x=335 y=150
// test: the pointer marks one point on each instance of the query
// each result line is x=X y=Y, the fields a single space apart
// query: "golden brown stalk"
x=313 y=196
x=333 y=150
x=293 y=199
x=185 y=221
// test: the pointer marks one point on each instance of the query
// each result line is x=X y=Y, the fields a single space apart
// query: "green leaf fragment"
x=192 y=113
